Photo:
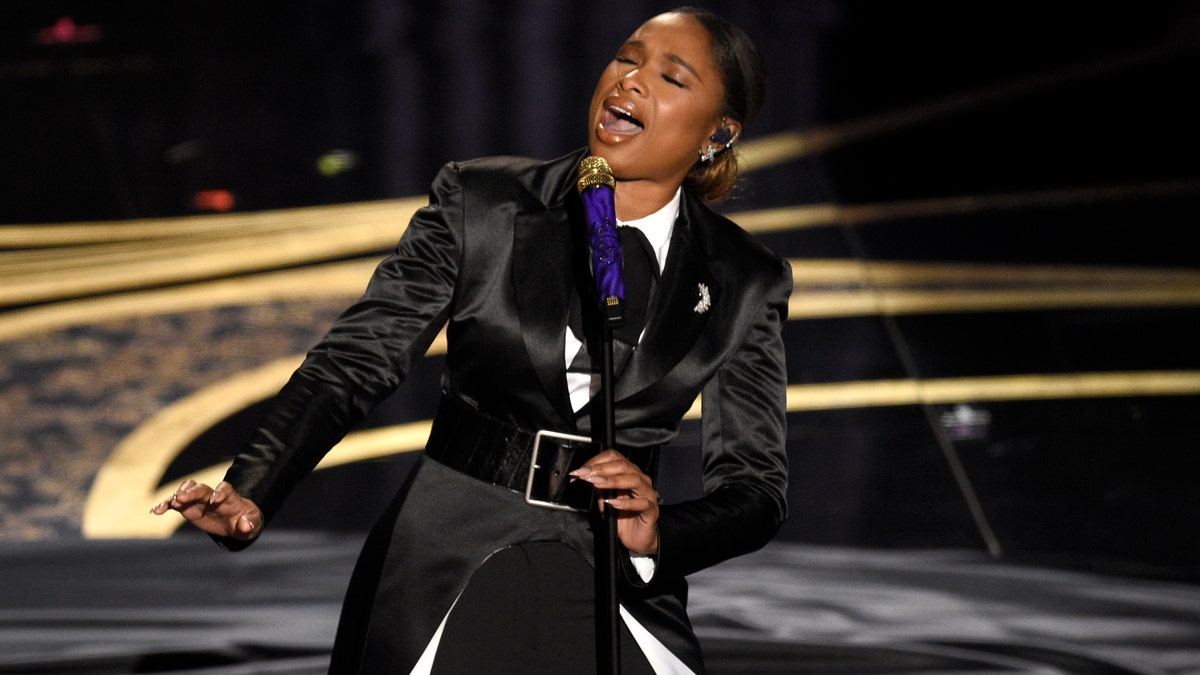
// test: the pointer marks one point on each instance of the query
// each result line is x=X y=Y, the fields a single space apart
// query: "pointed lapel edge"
x=543 y=260
x=542 y=282
x=674 y=325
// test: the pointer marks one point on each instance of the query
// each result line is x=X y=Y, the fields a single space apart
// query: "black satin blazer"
x=498 y=253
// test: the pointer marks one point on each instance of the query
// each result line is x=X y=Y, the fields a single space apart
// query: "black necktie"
x=639 y=267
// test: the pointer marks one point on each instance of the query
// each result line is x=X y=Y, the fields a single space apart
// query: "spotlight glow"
x=336 y=161
x=65 y=31
x=219 y=201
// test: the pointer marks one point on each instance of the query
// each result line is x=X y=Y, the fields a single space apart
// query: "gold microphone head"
x=593 y=172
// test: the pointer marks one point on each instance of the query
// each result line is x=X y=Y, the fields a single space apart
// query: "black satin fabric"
x=545 y=592
x=498 y=253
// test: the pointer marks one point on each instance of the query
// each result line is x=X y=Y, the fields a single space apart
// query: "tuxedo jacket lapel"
x=675 y=321
x=549 y=254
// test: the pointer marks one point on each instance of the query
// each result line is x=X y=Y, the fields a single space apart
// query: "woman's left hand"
x=633 y=497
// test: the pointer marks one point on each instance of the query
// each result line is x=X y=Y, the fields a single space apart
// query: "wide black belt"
x=479 y=445
x=494 y=451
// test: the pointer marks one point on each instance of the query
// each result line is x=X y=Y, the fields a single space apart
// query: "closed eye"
x=673 y=81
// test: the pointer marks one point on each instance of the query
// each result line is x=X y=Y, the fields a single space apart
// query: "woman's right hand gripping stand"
x=220 y=511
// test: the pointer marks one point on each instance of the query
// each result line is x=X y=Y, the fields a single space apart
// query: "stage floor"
x=183 y=605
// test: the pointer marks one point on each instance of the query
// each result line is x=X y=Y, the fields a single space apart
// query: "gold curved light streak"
x=267 y=240
x=393 y=212
x=334 y=280
x=824 y=289
x=304 y=234
x=898 y=302
x=127 y=484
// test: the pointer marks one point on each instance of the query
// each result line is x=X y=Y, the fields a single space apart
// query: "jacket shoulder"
x=498 y=165
x=511 y=175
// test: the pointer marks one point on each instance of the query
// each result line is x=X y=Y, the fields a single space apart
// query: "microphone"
x=596 y=183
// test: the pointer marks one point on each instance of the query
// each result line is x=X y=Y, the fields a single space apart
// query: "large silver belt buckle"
x=555 y=456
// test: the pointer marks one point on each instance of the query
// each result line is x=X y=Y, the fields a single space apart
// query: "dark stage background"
x=991 y=204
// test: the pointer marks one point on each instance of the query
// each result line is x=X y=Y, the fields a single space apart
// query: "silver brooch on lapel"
x=705 y=300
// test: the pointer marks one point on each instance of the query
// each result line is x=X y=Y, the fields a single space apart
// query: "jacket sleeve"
x=743 y=428
x=365 y=355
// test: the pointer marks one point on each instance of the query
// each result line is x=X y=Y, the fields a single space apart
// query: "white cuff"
x=645 y=565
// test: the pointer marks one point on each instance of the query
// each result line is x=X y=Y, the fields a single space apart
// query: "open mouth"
x=617 y=120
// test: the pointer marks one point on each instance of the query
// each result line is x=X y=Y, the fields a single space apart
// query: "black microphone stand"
x=608 y=617
x=596 y=184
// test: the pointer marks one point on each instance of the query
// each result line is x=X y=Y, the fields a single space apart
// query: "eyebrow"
x=674 y=58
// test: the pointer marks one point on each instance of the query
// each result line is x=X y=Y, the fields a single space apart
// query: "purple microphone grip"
x=596 y=188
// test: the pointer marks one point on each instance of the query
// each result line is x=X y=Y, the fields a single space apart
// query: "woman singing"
x=462 y=573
